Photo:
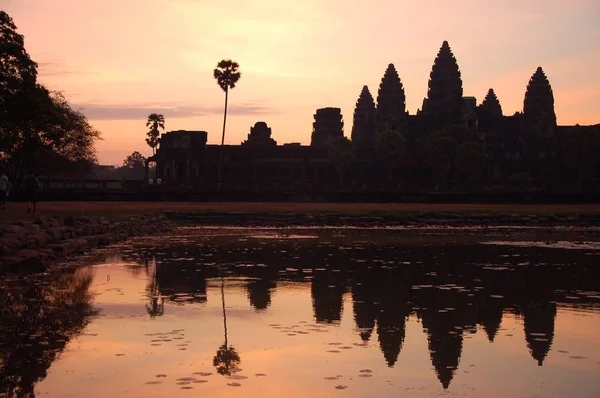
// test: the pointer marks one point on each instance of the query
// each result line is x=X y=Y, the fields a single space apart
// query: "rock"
x=61 y=249
x=11 y=229
x=25 y=246
x=92 y=241
x=31 y=265
x=55 y=233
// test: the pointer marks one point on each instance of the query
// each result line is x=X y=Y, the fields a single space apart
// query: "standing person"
x=3 y=190
x=32 y=186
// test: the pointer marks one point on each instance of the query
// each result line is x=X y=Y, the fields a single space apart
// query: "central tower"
x=444 y=95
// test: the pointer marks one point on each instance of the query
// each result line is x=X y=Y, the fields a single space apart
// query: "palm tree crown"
x=227 y=74
x=156 y=121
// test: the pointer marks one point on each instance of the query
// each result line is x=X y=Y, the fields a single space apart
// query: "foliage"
x=227 y=75
x=342 y=154
x=17 y=70
x=520 y=180
x=457 y=132
x=441 y=152
x=45 y=133
x=135 y=160
x=155 y=122
x=226 y=360
x=580 y=147
x=470 y=161
x=38 y=128
x=391 y=147
x=109 y=172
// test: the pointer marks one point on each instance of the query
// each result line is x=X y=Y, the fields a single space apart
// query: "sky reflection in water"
x=312 y=313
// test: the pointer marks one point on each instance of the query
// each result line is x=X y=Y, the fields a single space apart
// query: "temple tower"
x=260 y=134
x=391 y=101
x=489 y=113
x=444 y=96
x=328 y=125
x=490 y=107
x=538 y=106
x=363 y=126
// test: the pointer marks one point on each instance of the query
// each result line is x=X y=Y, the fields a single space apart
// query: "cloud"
x=141 y=111
x=54 y=68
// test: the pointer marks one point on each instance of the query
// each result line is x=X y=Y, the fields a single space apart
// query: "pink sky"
x=121 y=60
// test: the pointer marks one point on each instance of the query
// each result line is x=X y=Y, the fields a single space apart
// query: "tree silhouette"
x=38 y=127
x=134 y=160
x=440 y=154
x=470 y=161
x=227 y=75
x=17 y=70
x=226 y=358
x=391 y=147
x=520 y=180
x=580 y=147
x=342 y=154
x=155 y=122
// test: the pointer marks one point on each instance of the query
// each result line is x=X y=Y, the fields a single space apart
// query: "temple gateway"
x=521 y=144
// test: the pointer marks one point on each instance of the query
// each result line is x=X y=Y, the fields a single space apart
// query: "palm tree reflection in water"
x=156 y=302
x=226 y=359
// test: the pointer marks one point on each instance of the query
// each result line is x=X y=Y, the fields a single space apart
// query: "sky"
x=119 y=60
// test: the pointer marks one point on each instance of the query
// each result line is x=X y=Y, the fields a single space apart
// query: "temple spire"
x=444 y=95
x=363 y=127
x=491 y=106
x=391 y=101
x=538 y=105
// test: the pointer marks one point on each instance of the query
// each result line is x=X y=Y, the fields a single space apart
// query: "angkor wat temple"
x=522 y=144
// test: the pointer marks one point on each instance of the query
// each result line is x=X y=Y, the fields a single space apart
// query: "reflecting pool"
x=311 y=313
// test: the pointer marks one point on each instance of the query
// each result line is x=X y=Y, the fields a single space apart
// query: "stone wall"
x=28 y=246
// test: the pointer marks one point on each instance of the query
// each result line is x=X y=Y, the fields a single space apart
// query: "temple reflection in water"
x=384 y=282
x=453 y=290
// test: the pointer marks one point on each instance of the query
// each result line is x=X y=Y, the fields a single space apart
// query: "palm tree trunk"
x=224 y=314
x=222 y=142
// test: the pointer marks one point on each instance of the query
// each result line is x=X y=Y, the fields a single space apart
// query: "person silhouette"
x=3 y=190
x=32 y=186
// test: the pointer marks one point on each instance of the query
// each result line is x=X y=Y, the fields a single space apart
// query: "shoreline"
x=383 y=221
x=37 y=246
x=33 y=246
x=125 y=210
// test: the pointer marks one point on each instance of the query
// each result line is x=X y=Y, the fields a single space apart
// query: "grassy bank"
x=121 y=210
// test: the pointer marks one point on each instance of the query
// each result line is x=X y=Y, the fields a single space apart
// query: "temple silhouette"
x=526 y=142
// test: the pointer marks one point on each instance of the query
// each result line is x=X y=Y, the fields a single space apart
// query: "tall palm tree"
x=227 y=76
x=155 y=122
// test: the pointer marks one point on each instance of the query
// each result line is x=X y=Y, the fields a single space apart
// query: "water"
x=311 y=313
